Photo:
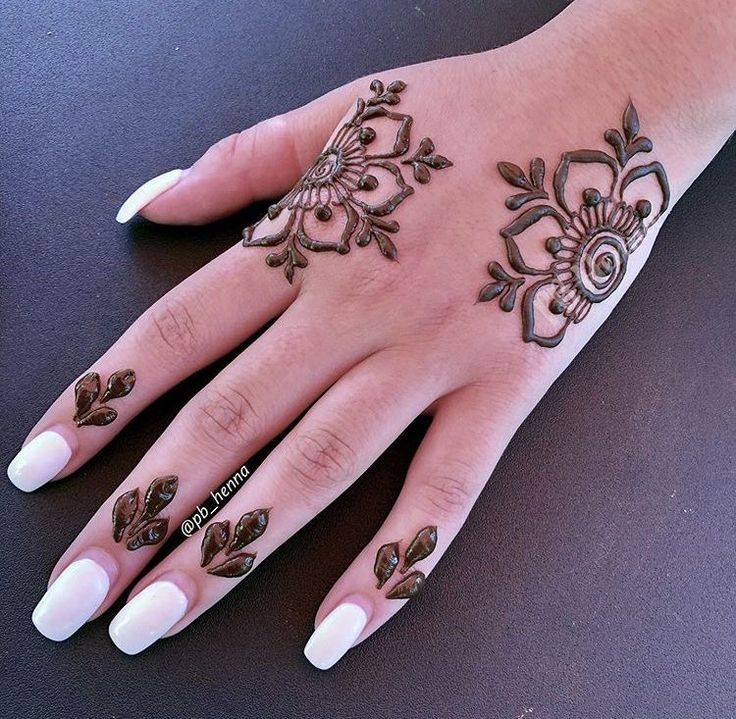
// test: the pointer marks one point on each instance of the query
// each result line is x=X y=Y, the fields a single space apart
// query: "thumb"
x=261 y=162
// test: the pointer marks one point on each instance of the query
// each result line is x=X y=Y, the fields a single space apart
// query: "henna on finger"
x=591 y=251
x=387 y=560
x=250 y=526
x=145 y=527
x=341 y=181
x=87 y=393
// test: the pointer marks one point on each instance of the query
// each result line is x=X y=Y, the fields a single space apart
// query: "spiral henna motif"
x=591 y=252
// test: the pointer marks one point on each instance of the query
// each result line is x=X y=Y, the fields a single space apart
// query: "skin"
x=338 y=347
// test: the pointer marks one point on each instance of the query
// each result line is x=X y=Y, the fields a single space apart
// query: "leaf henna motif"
x=237 y=566
x=420 y=548
x=589 y=254
x=147 y=528
x=408 y=587
x=158 y=495
x=151 y=532
x=86 y=393
x=250 y=526
x=341 y=182
x=215 y=539
x=123 y=512
x=119 y=384
x=387 y=559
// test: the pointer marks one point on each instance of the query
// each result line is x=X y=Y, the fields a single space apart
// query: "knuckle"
x=225 y=418
x=319 y=461
x=450 y=493
x=173 y=328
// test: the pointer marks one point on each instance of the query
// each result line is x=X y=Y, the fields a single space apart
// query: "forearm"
x=677 y=60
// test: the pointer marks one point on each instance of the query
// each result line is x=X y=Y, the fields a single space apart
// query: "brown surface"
x=595 y=577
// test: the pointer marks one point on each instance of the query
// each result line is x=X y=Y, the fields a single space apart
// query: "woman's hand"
x=400 y=279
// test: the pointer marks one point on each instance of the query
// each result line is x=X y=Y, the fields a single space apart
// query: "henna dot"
x=591 y=197
x=643 y=208
x=273 y=212
x=604 y=265
x=553 y=245
x=322 y=213
x=366 y=135
x=367 y=182
x=557 y=306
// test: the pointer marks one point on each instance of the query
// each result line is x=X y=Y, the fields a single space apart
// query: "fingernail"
x=146 y=193
x=71 y=600
x=147 y=617
x=39 y=461
x=335 y=635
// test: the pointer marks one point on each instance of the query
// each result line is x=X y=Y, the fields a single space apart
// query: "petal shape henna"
x=387 y=559
x=237 y=566
x=408 y=587
x=158 y=495
x=341 y=173
x=123 y=512
x=249 y=527
x=589 y=255
x=119 y=384
x=215 y=539
x=151 y=532
x=86 y=393
x=420 y=548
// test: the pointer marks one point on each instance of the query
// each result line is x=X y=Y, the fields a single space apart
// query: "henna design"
x=387 y=559
x=340 y=183
x=87 y=391
x=591 y=251
x=249 y=527
x=147 y=527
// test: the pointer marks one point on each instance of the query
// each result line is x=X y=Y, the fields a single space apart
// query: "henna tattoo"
x=144 y=528
x=87 y=391
x=249 y=527
x=591 y=251
x=408 y=587
x=387 y=559
x=340 y=183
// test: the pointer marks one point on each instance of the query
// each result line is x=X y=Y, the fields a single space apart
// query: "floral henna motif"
x=342 y=183
x=596 y=237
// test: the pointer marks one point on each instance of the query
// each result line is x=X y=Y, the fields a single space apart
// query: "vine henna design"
x=217 y=535
x=591 y=251
x=146 y=527
x=341 y=183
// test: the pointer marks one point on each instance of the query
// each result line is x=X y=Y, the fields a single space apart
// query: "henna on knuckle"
x=340 y=187
x=87 y=395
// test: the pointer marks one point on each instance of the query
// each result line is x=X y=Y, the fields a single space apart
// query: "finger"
x=334 y=443
x=261 y=162
x=448 y=472
x=249 y=402
x=209 y=314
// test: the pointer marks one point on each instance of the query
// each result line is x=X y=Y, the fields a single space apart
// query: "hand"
x=385 y=307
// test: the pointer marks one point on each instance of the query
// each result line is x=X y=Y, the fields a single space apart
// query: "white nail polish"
x=71 y=600
x=335 y=635
x=148 y=616
x=146 y=193
x=39 y=461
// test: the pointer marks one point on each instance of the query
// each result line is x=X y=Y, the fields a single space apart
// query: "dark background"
x=595 y=577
